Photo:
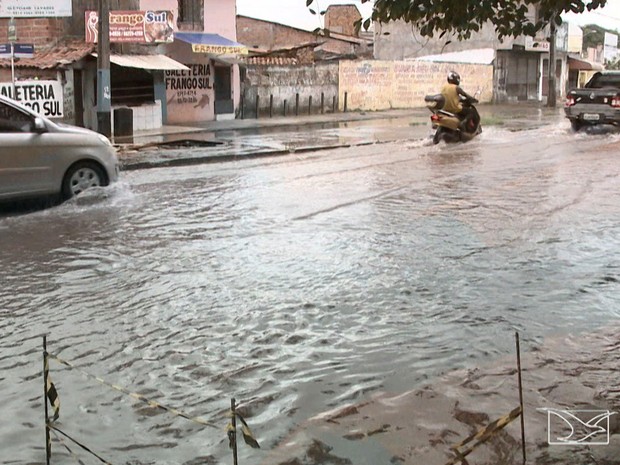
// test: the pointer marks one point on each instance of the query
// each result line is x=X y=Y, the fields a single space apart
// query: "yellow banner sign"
x=220 y=49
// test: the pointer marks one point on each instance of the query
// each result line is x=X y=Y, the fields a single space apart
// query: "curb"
x=232 y=157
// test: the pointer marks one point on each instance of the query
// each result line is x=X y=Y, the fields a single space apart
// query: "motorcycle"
x=448 y=125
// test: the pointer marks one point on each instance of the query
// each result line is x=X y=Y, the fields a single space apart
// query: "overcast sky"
x=294 y=12
x=608 y=17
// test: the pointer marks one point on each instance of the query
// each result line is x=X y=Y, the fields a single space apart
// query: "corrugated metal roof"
x=484 y=56
x=151 y=62
x=54 y=56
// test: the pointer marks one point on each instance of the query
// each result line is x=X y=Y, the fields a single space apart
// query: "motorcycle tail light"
x=570 y=101
x=615 y=102
x=435 y=118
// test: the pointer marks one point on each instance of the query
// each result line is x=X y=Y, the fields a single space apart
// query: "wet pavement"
x=232 y=140
x=359 y=303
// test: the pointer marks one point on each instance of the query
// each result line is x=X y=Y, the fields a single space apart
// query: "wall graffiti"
x=382 y=85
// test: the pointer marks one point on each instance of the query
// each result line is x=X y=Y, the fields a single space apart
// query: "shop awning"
x=211 y=43
x=148 y=62
x=581 y=64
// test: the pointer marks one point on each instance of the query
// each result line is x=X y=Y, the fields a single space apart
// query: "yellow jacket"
x=453 y=102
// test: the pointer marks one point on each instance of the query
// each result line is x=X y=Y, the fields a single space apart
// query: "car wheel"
x=576 y=125
x=80 y=177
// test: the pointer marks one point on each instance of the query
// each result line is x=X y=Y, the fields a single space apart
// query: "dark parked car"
x=597 y=103
x=41 y=158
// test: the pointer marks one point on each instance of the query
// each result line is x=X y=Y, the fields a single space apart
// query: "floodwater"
x=297 y=285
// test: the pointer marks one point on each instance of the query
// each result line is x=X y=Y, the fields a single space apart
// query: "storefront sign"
x=133 y=26
x=188 y=87
x=219 y=49
x=536 y=44
x=190 y=95
x=43 y=97
x=34 y=8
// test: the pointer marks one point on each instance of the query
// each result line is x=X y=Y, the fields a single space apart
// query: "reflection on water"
x=297 y=285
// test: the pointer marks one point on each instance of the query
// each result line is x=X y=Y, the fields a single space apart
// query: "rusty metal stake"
x=48 y=442
x=234 y=430
x=520 y=396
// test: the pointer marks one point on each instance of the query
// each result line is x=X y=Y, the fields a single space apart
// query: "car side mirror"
x=39 y=125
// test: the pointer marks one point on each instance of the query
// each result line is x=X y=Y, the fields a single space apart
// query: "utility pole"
x=12 y=40
x=551 y=93
x=104 y=90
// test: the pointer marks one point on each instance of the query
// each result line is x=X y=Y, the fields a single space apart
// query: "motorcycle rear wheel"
x=438 y=136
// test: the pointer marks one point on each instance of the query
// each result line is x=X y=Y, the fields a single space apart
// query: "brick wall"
x=37 y=31
x=46 y=31
x=342 y=18
x=264 y=35
x=268 y=36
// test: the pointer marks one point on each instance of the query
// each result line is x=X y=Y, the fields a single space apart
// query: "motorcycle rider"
x=452 y=93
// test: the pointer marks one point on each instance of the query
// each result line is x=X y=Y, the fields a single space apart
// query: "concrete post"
x=104 y=89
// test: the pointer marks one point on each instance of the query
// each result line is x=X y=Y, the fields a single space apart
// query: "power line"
x=605 y=16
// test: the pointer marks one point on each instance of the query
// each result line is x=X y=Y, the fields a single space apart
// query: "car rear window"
x=604 y=80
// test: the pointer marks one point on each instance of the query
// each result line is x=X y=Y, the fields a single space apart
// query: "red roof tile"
x=55 y=56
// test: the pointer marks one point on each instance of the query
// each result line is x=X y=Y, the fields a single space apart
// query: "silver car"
x=41 y=158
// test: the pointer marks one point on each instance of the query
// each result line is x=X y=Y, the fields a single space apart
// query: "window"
x=191 y=15
x=14 y=120
x=600 y=81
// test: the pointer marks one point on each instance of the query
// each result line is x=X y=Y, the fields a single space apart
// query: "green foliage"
x=510 y=17
x=594 y=35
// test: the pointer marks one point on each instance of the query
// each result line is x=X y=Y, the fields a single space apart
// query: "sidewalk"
x=218 y=141
x=172 y=132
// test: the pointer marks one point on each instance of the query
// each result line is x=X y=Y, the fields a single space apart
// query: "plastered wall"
x=382 y=85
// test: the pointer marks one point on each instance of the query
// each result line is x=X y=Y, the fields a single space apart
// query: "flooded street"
x=298 y=284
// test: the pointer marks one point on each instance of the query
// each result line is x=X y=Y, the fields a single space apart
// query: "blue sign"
x=20 y=50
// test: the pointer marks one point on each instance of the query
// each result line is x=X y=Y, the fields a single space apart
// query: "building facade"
x=262 y=36
x=520 y=65
x=171 y=61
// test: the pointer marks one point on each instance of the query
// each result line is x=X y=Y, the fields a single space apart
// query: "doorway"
x=223 y=90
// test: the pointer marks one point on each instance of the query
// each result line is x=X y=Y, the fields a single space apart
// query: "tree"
x=593 y=35
x=613 y=64
x=510 y=17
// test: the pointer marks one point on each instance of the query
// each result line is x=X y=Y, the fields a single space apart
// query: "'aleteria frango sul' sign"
x=43 y=97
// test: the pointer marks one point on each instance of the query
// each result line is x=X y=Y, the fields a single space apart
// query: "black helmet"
x=454 y=78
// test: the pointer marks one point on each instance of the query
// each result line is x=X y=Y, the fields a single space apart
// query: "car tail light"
x=615 y=102
x=570 y=101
